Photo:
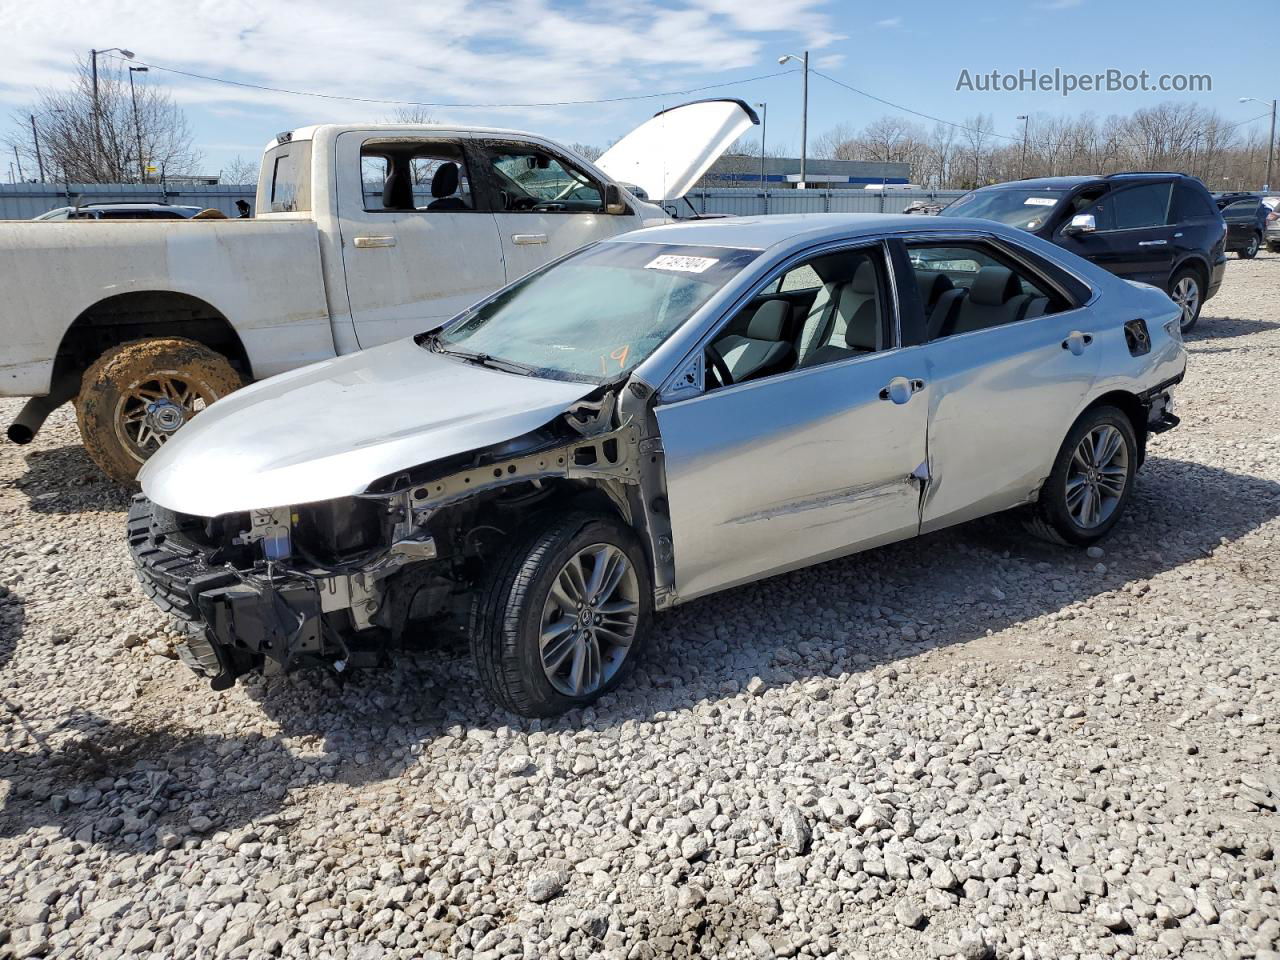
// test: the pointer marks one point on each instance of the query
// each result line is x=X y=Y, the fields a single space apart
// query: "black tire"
x=1050 y=519
x=1273 y=247
x=1251 y=251
x=1185 y=274
x=507 y=608
x=108 y=397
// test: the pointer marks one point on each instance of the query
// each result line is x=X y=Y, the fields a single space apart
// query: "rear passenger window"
x=1189 y=204
x=1142 y=206
x=414 y=175
x=964 y=288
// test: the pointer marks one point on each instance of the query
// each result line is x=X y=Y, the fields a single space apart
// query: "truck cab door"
x=417 y=247
x=543 y=203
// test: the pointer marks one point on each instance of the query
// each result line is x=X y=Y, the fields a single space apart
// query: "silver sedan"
x=646 y=421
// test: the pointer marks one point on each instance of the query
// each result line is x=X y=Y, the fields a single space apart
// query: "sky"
x=454 y=52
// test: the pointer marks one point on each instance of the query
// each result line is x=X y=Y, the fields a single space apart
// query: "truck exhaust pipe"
x=36 y=410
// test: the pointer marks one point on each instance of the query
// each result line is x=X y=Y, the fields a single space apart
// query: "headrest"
x=932 y=286
x=397 y=192
x=768 y=320
x=860 y=333
x=864 y=278
x=445 y=181
x=994 y=286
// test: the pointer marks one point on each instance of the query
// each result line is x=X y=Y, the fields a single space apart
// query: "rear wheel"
x=1186 y=291
x=561 y=620
x=137 y=395
x=1091 y=481
x=1251 y=251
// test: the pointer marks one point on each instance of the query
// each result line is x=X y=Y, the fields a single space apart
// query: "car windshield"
x=597 y=314
x=1023 y=208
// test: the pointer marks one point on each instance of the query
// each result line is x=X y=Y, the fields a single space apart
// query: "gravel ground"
x=967 y=745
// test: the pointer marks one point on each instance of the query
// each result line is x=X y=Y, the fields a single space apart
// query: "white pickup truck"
x=363 y=234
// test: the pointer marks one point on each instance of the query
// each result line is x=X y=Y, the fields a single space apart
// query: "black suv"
x=1160 y=228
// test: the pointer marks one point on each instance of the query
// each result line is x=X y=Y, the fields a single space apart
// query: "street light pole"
x=804 y=111
x=1022 y=164
x=764 y=126
x=35 y=139
x=97 y=112
x=137 y=128
x=1271 y=140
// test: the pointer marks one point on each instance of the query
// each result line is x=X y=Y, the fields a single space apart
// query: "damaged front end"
x=347 y=582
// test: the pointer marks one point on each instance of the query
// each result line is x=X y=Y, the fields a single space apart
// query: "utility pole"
x=18 y=161
x=764 y=126
x=1271 y=140
x=137 y=128
x=804 y=110
x=35 y=139
x=97 y=111
x=1022 y=164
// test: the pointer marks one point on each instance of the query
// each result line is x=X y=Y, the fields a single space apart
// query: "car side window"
x=1146 y=205
x=968 y=287
x=527 y=179
x=414 y=176
x=830 y=308
x=1189 y=204
x=1241 y=210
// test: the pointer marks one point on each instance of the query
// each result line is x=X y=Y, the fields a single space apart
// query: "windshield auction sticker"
x=1039 y=201
x=670 y=261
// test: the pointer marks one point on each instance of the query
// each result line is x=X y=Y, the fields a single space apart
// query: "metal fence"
x=741 y=202
x=22 y=201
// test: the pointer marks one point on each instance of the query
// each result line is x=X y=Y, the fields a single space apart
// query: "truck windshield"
x=1026 y=209
x=597 y=314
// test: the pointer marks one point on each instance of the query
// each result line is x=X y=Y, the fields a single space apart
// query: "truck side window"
x=414 y=175
x=528 y=179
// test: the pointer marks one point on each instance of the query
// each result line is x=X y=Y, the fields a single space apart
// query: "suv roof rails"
x=1149 y=173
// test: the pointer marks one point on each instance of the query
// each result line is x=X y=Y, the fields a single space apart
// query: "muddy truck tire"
x=137 y=395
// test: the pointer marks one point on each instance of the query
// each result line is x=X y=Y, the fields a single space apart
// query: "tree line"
x=1169 y=136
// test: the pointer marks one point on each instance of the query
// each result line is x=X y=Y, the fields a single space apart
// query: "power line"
x=468 y=106
x=927 y=116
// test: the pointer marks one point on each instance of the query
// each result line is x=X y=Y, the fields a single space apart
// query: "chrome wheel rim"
x=150 y=411
x=589 y=620
x=1098 y=476
x=1252 y=249
x=1186 y=294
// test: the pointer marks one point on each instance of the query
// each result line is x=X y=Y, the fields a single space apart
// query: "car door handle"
x=365 y=242
x=524 y=238
x=1152 y=243
x=1077 y=341
x=1176 y=235
x=900 y=389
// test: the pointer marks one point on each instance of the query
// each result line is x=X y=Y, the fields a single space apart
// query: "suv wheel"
x=1251 y=251
x=1091 y=481
x=562 y=618
x=136 y=395
x=1186 y=292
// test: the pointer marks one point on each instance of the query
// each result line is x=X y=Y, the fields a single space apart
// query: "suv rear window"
x=1190 y=204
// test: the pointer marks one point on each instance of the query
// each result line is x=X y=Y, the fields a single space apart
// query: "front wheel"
x=1185 y=290
x=137 y=395
x=1251 y=251
x=561 y=619
x=1091 y=481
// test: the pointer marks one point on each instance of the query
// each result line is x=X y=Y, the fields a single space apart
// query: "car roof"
x=131 y=205
x=1044 y=183
x=764 y=232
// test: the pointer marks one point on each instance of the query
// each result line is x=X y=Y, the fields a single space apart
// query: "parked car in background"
x=1158 y=228
x=111 y=210
x=363 y=234
x=1272 y=234
x=1246 y=226
x=660 y=416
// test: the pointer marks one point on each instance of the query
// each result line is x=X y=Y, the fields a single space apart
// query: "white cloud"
x=889 y=22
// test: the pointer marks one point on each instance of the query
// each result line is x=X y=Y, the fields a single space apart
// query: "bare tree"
x=116 y=142
x=586 y=150
x=239 y=171
x=412 y=114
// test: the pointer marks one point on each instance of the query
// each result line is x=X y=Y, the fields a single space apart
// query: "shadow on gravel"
x=1226 y=328
x=65 y=480
x=12 y=619
x=836 y=619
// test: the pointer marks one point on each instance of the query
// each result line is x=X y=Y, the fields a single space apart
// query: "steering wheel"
x=719 y=367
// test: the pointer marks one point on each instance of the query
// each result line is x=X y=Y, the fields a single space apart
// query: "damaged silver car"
x=648 y=420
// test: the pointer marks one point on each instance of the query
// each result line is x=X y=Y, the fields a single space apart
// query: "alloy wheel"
x=1186 y=294
x=152 y=410
x=1097 y=476
x=589 y=620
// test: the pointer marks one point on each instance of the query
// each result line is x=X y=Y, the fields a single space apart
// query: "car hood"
x=331 y=429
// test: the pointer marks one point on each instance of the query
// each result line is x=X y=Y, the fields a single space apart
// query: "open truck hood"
x=331 y=429
x=667 y=154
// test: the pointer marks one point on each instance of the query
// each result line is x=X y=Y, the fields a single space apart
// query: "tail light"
x=1273 y=216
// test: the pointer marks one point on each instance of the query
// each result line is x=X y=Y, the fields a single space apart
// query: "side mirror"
x=613 y=203
x=1081 y=223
